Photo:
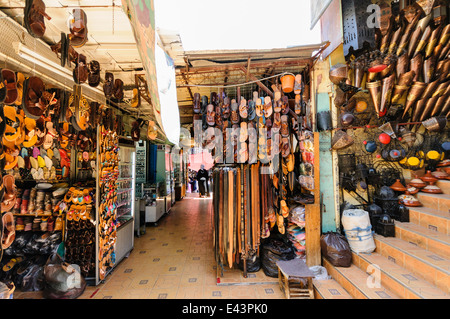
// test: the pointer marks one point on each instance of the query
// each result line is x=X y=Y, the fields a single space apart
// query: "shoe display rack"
x=115 y=201
x=126 y=190
x=107 y=201
x=80 y=230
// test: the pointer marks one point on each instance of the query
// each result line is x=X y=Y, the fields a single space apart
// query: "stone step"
x=397 y=279
x=357 y=282
x=430 y=218
x=431 y=240
x=444 y=185
x=329 y=289
x=440 y=202
x=424 y=263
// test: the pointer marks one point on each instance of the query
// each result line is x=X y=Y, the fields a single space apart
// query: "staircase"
x=415 y=264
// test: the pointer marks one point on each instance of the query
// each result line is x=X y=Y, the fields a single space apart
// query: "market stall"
x=68 y=158
x=392 y=101
x=266 y=197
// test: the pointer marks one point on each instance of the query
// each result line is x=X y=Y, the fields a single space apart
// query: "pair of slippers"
x=113 y=88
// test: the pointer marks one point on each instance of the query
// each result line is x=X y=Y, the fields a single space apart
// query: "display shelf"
x=124 y=191
x=35 y=215
x=127 y=202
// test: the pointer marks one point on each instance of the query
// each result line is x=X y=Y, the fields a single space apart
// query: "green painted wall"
x=160 y=166
x=326 y=171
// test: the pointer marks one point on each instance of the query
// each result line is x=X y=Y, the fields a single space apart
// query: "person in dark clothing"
x=193 y=182
x=202 y=178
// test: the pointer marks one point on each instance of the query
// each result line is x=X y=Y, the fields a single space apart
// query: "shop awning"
x=204 y=72
x=318 y=8
x=158 y=66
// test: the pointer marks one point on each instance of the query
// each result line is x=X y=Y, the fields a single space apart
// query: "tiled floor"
x=175 y=260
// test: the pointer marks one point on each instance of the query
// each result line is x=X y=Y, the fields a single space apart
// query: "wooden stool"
x=295 y=279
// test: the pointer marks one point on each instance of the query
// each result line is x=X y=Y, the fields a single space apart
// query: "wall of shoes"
x=126 y=190
x=269 y=192
x=108 y=153
x=393 y=105
x=59 y=156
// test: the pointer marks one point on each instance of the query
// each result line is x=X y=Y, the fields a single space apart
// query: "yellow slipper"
x=41 y=161
x=34 y=162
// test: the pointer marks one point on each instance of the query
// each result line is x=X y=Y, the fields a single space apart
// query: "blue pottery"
x=371 y=146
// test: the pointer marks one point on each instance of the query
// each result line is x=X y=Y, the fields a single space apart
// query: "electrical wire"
x=236 y=85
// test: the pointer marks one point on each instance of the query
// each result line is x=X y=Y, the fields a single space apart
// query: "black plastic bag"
x=272 y=251
x=253 y=264
x=335 y=249
x=33 y=280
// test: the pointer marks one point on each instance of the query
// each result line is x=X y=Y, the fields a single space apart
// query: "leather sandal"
x=12 y=94
x=94 y=74
x=118 y=89
x=268 y=109
x=243 y=109
x=12 y=123
x=298 y=84
x=277 y=106
x=285 y=148
x=218 y=117
x=62 y=48
x=32 y=104
x=197 y=107
x=78 y=28
x=226 y=108
x=80 y=72
x=298 y=107
x=136 y=98
x=251 y=110
x=285 y=105
x=204 y=105
x=10 y=195
x=243 y=136
x=259 y=108
x=235 y=119
x=8 y=231
x=276 y=122
x=34 y=13
x=214 y=99
x=210 y=115
x=108 y=85
x=2 y=89
x=284 y=126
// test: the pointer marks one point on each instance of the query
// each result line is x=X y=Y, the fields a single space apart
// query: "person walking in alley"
x=202 y=178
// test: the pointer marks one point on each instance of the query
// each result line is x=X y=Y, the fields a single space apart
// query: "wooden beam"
x=313 y=215
x=237 y=66
x=185 y=78
x=262 y=86
x=247 y=77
